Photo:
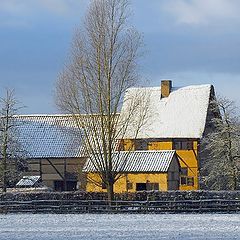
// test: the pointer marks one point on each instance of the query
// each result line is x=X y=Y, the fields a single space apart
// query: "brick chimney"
x=166 y=87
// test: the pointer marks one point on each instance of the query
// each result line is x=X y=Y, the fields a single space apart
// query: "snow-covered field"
x=119 y=226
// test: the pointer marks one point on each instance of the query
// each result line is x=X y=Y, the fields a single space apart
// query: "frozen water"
x=119 y=226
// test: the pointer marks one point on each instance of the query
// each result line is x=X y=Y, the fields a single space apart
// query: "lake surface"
x=119 y=226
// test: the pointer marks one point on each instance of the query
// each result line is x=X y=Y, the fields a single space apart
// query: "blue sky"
x=188 y=41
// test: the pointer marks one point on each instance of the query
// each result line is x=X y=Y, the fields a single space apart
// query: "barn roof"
x=56 y=136
x=49 y=136
x=180 y=115
x=137 y=161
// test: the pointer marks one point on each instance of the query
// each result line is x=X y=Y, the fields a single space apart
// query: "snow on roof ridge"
x=190 y=87
x=42 y=115
x=197 y=86
x=52 y=115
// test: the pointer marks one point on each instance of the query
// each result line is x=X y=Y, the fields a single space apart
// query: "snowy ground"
x=119 y=226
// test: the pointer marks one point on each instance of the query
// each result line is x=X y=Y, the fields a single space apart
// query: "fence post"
x=200 y=206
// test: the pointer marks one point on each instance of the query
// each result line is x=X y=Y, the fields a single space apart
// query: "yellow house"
x=187 y=151
x=138 y=171
x=178 y=119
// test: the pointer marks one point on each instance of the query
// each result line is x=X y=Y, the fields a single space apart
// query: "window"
x=141 y=144
x=70 y=185
x=152 y=186
x=141 y=186
x=104 y=186
x=147 y=186
x=183 y=180
x=184 y=171
x=182 y=144
x=189 y=181
x=177 y=145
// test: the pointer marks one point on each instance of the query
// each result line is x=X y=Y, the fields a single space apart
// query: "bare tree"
x=222 y=164
x=11 y=155
x=103 y=65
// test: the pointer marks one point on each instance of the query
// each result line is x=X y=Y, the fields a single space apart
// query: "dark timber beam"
x=40 y=168
x=63 y=177
x=65 y=171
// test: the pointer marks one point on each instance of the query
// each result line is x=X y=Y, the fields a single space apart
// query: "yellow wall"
x=187 y=158
x=163 y=145
x=121 y=185
x=128 y=145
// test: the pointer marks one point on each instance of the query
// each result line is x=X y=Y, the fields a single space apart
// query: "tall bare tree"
x=222 y=147
x=11 y=155
x=103 y=64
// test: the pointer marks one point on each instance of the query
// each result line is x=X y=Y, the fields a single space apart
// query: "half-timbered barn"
x=53 y=148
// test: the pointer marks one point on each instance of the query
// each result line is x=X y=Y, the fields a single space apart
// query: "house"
x=178 y=120
x=138 y=171
x=167 y=145
x=53 y=150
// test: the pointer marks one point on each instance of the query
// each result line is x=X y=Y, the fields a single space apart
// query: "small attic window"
x=183 y=144
x=141 y=144
x=184 y=171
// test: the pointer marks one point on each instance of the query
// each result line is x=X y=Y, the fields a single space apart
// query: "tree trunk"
x=110 y=192
x=4 y=153
x=4 y=189
x=235 y=180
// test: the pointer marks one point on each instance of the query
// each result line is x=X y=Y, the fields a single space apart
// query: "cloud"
x=21 y=13
x=60 y=7
x=198 y=12
x=13 y=7
x=19 y=7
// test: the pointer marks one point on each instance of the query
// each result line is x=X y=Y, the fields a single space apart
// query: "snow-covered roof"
x=180 y=115
x=49 y=136
x=55 y=136
x=28 y=181
x=137 y=161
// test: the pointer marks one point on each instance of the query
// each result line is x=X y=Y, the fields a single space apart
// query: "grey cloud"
x=202 y=12
x=25 y=7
